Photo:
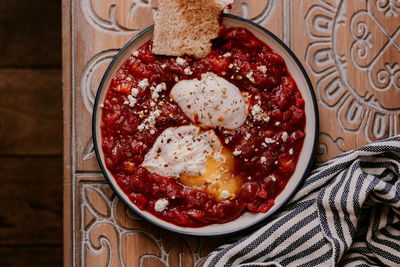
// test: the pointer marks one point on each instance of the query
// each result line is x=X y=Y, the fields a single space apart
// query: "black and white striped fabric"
x=346 y=213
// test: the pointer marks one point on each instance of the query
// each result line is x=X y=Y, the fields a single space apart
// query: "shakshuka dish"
x=201 y=141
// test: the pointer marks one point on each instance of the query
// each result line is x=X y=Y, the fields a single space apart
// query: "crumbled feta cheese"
x=163 y=66
x=237 y=152
x=134 y=92
x=269 y=140
x=188 y=71
x=154 y=95
x=135 y=53
x=126 y=102
x=273 y=178
x=180 y=61
x=143 y=83
x=132 y=101
x=262 y=69
x=291 y=151
x=258 y=114
x=101 y=105
x=249 y=75
x=264 y=144
x=225 y=194
x=160 y=87
x=255 y=110
x=231 y=66
x=263 y=160
x=276 y=162
x=285 y=136
x=227 y=54
x=161 y=205
x=156 y=90
x=247 y=137
x=150 y=121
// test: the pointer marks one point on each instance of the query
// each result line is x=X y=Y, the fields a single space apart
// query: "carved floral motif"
x=118 y=16
x=355 y=75
x=111 y=232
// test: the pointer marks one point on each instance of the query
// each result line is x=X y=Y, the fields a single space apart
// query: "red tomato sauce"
x=270 y=145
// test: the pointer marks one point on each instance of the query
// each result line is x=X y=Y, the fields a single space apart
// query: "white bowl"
x=247 y=219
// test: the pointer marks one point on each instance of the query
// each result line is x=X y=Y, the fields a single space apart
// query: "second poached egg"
x=197 y=158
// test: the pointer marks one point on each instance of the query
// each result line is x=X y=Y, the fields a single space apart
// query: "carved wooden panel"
x=350 y=49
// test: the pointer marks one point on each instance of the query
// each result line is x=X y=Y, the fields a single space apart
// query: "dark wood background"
x=30 y=133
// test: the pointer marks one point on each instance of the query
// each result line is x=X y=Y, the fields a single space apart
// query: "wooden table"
x=350 y=50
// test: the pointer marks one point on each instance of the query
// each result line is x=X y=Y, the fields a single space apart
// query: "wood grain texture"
x=30 y=112
x=67 y=133
x=30 y=33
x=348 y=48
x=30 y=133
x=31 y=201
x=33 y=256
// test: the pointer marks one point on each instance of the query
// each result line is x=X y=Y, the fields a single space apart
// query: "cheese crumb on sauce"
x=269 y=140
x=258 y=114
x=262 y=69
x=143 y=83
x=263 y=160
x=161 y=205
x=180 y=61
x=150 y=121
x=197 y=158
x=211 y=101
x=188 y=71
x=225 y=194
x=237 y=152
x=285 y=136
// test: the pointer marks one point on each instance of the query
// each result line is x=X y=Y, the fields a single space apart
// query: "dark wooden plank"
x=31 y=201
x=30 y=33
x=30 y=112
x=31 y=256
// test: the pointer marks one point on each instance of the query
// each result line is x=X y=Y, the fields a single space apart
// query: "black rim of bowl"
x=288 y=197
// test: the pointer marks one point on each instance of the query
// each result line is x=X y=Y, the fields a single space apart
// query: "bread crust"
x=186 y=27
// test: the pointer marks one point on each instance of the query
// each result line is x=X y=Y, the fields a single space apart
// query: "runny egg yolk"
x=218 y=179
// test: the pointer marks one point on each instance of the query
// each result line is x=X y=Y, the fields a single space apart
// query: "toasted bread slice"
x=186 y=27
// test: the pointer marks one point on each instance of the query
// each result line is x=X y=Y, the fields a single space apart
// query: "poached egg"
x=211 y=101
x=197 y=158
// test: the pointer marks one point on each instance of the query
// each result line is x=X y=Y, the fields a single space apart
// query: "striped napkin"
x=346 y=213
